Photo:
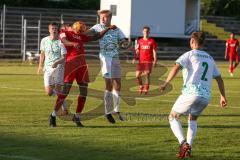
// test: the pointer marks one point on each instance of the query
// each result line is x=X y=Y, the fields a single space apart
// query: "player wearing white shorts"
x=110 y=64
x=52 y=57
x=198 y=69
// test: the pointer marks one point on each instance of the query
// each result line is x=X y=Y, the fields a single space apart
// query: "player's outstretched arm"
x=41 y=61
x=171 y=75
x=223 y=100
x=68 y=43
x=97 y=35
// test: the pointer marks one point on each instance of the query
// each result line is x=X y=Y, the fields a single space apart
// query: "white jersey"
x=53 y=50
x=198 y=69
x=109 y=42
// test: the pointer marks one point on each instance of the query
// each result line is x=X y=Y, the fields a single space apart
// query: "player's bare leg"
x=108 y=100
x=116 y=97
x=83 y=89
x=235 y=65
x=49 y=90
x=231 y=68
x=147 y=82
x=60 y=100
x=139 y=81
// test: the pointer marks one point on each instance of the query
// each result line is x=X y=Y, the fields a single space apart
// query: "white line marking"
x=144 y=99
x=18 y=157
x=137 y=98
x=24 y=89
x=210 y=105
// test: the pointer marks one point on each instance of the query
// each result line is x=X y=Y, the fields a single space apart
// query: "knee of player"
x=109 y=88
x=192 y=117
x=173 y=116
x=49 y=93
x=83 y=97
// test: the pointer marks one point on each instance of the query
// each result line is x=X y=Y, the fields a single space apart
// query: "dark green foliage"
x=67 y=4
x=221 y=7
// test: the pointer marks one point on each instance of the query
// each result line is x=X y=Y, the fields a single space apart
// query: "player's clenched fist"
x=112 y=27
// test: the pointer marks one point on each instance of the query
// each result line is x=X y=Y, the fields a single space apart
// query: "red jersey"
x=73 y=52
x=231 y=46
x=145 y=48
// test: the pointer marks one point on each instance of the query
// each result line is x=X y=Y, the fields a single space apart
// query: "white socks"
x=176 y=127
x=192 y=130
x=54 y=113
x=111 y=101
x=116 y=100
x=108 y=101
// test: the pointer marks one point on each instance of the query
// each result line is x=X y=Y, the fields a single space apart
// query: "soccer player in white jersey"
x=110 y=64
x=52 y=60
x=198 y=69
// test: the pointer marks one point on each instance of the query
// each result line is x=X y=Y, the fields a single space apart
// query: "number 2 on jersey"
x=205 y=66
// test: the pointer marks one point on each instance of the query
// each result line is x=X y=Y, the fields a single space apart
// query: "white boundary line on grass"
x=138 y=98
x=211 y=105
x=24 y=89
x=17 y=157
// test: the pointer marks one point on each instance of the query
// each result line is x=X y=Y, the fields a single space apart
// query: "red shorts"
x=78 y=72
x=144 y=67
x=233 y=57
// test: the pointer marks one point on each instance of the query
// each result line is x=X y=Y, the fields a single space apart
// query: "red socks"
x=61 y=97
x=81 y=103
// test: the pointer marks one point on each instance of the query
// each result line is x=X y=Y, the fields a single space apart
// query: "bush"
x=68 y=4
x=221 y=7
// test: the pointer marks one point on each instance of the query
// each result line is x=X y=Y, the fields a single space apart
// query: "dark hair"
x=53 y=24
x=146 y=27
x=199 y=37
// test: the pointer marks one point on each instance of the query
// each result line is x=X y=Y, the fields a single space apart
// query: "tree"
x=221 y=7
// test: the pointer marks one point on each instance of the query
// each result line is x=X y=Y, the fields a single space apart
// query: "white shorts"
x=190 y=105
x=53 y=76
x=110 y=67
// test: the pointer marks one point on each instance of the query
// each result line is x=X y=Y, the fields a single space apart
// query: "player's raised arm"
x=93 y=35
x=41 y=61
x=171 y=75
x=223 y=100
x=64 y=40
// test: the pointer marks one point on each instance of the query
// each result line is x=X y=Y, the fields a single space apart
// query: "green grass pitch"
x=145 y=135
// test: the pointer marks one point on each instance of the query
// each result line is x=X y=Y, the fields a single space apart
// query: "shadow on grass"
x=28 y=148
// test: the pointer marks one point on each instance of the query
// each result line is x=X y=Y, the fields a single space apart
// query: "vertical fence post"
x=22 y=35
x=3 y=26
x=24 y=39
x=61 y=19
x=1 y=20
x=39 y=35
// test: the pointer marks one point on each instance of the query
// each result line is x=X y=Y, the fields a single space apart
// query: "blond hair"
x=108 y=12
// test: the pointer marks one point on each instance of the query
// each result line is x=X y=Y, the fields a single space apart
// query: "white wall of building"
x=123 y=18
x=167 y=18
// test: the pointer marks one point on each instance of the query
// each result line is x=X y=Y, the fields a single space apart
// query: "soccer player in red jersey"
x=147 y=57
x=231 y=52
x=75 y=67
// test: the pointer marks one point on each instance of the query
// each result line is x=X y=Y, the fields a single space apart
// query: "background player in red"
x=147 y=57
x=75 y=67
x=231 y=52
